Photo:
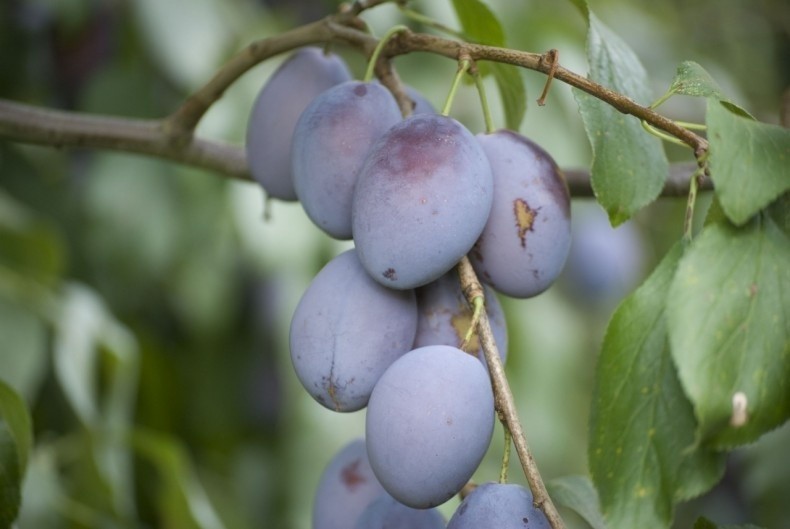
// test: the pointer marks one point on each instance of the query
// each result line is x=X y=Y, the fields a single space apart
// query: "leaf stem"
x=377 y=52
x=661 y=135
x=688 y=220
x=463 y=66
x=692 y=126
x=661 y=100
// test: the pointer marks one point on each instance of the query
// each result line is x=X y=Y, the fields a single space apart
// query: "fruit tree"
x=390 y=264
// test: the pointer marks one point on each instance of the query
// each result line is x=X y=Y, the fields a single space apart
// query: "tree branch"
x=57 y=128
x=503 y=398
x=62 y=129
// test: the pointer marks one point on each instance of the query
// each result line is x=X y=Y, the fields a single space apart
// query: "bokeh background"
x=144 y=306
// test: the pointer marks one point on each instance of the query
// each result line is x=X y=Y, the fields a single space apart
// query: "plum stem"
x=430 y=22
x=377 y=52
x=481 y=90
x=463 y=67
x=478 y=304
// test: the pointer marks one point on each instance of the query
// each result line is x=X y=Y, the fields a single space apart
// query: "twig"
x=56 y=128
x=503 y=398
x=61 y=129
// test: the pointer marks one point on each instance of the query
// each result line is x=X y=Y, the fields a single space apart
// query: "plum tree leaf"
x=749 y=162
x=578 y=494
x=729 y=327
x=481 y=25
x=512 y=93
x=691 y=79
x=183 y=500
x=643 y=458
x=479 y=22
x=704 y=523
x=16 y=440
x=629 y=166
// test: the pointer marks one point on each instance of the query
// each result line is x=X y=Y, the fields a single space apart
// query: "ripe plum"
x=298 y=80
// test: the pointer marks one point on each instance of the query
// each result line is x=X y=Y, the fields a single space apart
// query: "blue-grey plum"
x=346 y=330
x=421 y=201
x=385 y=512
x=444 y=316
x=428 y=424
x=421 y=104
x=605 y=263
x=504 y=506
x=525 y=243
x=297 y=81
x=347 y=486
x=330 y=142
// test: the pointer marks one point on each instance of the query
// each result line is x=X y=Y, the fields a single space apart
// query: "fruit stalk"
x=504 y=401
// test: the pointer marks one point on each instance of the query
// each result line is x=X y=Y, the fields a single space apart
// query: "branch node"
x=550 y=60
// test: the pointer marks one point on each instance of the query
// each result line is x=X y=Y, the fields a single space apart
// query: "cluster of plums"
x=381 y=325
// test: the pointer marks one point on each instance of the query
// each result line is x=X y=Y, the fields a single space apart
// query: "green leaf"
x=779 y=211
x=479 y=22
x=16 y=440
x=481 y=25
x=691 y=79
x=704 y=523
x=583 y=7
x=642 y=426
x=578 y=494
x=183 y=500
x=749 y=162
x=512 y=92
x=95 y=361
x=28 y=245
x=23 y=349
x=629 y=166
x=729 y=326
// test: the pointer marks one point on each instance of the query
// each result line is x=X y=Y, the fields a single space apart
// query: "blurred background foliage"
x=144 y=306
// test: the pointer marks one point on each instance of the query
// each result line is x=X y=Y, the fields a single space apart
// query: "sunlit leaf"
x=578 y=494
x=16 y=441
x=92 y=351
x=749 y=162
x=730 y=329
x=642 y=427
x=629 y=166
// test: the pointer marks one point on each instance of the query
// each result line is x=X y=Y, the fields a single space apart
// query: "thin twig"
x=503 y=398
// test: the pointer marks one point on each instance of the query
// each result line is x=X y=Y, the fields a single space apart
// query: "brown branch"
x=503 y=398
x=61 y=129
x=342 y=28
x=56 y=128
